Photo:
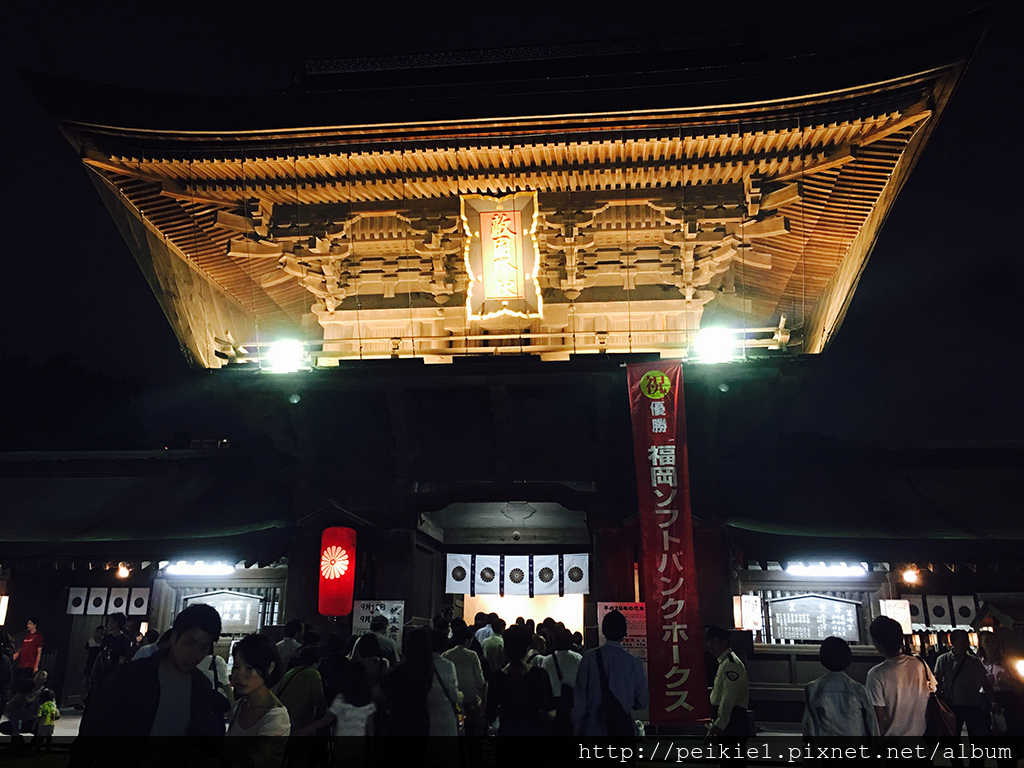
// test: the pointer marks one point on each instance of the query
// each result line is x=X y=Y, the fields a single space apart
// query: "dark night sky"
x=929 y=350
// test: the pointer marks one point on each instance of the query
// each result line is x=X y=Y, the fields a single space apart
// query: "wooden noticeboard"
x=813 y=617
x=239 y=612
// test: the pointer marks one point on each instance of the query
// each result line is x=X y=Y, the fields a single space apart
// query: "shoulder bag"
x=940 y=720
x=460 y=716
x=617 y=722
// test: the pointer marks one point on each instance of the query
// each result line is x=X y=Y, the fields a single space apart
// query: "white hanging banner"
x=577 y=574
x=545 y=574
x=917 y=614
x=139 y=603
x=76 y=600
x=457 y=579
x=964 y=610
x=517 y=575
x=528 y=575
x=97 y=605
x=486 y=572
x=938 y=610
x=118 y=601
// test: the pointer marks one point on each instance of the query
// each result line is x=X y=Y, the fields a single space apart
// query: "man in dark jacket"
x=164 y=696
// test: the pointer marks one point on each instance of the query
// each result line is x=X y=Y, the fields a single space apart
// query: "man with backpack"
x=611 y=683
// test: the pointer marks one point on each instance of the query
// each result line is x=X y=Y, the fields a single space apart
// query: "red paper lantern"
x=337 y=571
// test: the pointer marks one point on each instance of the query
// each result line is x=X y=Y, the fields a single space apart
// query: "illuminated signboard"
x=813 y=617
x=501 y=256
x=239 y=612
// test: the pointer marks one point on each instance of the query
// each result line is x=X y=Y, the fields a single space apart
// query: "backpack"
x=617 y=722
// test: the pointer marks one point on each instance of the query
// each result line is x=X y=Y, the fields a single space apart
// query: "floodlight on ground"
x=285 y=356
x=715 y=344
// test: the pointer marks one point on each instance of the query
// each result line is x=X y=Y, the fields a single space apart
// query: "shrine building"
x=461 y=250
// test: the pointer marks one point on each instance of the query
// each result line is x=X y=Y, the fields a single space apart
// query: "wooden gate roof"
x=756 y=187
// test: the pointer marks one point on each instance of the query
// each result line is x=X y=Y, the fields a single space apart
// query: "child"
x=47 y=715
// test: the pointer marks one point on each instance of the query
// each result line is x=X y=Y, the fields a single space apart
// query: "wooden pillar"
x=714 y=579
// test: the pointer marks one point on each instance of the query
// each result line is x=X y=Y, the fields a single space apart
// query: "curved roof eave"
x=506 y=92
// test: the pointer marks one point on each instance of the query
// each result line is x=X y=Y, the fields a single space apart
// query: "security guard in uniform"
x=730 y=697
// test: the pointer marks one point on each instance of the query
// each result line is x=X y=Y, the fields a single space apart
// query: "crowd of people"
x=26 y=701
x=309 y=700
x=897 y=700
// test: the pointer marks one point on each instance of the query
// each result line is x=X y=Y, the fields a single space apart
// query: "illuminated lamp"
x=199 y=568
x=337 y=571
x=823 y=570
x=911 y=575
x=1017 y=665
x=123 y=571
x=715 y=345
x=3 y=609
x=285 y=356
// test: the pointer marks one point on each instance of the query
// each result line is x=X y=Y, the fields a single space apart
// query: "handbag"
x=940 y=720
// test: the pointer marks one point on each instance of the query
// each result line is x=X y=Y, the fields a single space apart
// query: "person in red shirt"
x=26 y=658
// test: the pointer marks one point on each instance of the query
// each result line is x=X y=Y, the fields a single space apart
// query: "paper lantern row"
x=518 y=575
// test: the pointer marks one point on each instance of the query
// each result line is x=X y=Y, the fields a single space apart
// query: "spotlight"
x=123 y=571
x=285 y=356
x=911 y=576
x=714 y=345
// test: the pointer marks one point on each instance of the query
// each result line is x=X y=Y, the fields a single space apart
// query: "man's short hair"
x=118 y=618
x=198 y=616
x=378 y=623
x=293 y=627
x=562 y=639
x=835 y=654
x=613 y=625
x=958 y=634
x=887 y=634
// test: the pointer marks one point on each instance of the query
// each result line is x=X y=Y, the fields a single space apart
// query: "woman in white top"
x=443 y=696
x=257 y=713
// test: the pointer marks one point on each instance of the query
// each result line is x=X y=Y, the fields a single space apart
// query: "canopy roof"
x=675 y=189
x=949 y=502
x=148 y=505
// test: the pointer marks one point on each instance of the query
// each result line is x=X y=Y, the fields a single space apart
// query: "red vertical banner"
x=675 y=646
x=337 y=571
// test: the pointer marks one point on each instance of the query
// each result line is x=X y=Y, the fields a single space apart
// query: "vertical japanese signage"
x=392 y=610
x=337 y=571
x=675 y=653
x=501 y=256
